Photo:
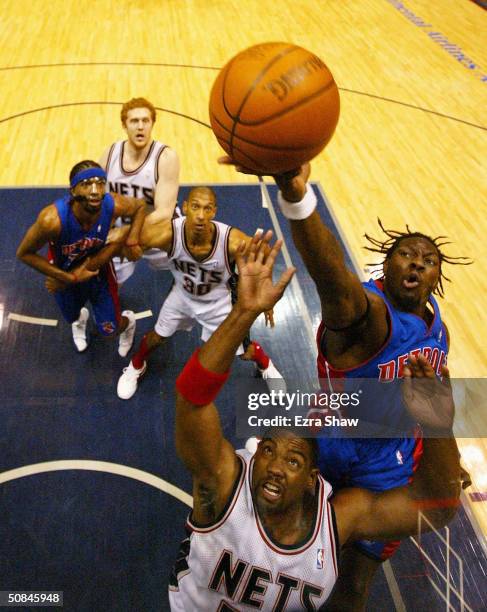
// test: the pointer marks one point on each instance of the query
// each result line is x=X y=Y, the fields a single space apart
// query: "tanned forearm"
x=393 y=514
x=41 y=264
x=437 y=484
x=97 y=261
x=320 y=251
x=342 y=296
x=136 y=225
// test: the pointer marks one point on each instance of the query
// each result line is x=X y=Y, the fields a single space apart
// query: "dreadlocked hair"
x=393 y=238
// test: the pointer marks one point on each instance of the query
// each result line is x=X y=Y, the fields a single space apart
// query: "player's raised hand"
x=256 y=291
x=292 y=184
x=428 y=398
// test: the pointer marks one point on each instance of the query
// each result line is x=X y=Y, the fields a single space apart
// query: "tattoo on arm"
x=207 y=499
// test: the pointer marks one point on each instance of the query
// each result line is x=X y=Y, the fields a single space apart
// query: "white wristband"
x=298 y=210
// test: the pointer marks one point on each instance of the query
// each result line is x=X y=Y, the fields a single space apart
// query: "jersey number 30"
x=194 y=288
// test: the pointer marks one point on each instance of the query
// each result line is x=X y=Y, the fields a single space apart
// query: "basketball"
x=273 y=107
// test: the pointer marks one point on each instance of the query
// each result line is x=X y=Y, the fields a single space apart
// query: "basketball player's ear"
x=185 y=207
x=385 y=265
x=313 y=477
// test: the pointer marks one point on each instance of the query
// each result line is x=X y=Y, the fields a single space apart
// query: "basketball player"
x=76 y=228
x=141 y=167
x=369 y=330
x=201 y=255
x=264 y=531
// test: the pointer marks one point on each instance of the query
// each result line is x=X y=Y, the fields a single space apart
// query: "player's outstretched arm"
x=156 y=235
x=394 y=514
x=167 y=186
x=436 y=485
x=343 y=299
x=118 y=238
x=342 y=296
x=134 y=209
x=199 y=438
x=235 y=240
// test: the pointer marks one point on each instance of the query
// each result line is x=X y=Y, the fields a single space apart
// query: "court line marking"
x=296 y=287
x=393 y=587
x=53 y=322
x=391 y=581
x=481 y=537
x=31 y=320
x=98 y=466
x=143 y=314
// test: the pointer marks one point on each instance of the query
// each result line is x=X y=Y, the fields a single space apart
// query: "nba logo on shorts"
x=107 y=327
x=399 y=457
x=320 y=557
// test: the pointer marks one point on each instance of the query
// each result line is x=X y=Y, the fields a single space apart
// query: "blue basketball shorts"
x=373 y=464
x=101 y=292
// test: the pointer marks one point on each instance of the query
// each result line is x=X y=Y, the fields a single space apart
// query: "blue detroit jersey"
x=382 y=463
x=408 y=333
x=382 y=401
x=74 y=243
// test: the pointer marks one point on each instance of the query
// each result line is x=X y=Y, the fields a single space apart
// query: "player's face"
x=89 y=194
x=282 y=473
x=412 y=273
x=138 y=126
x=200 y=209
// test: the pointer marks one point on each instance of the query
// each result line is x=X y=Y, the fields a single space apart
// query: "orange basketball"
x=273 y=107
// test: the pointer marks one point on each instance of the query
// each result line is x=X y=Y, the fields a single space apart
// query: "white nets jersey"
x=139 y=183
x=234 y=565
x=206 y=280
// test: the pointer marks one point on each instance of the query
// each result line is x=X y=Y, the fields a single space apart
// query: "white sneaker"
x=79 y=330
x=127 y=383
x=273 y=378
x=127 y=337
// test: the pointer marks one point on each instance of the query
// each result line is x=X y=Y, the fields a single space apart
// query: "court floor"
x=93 y=495
x=104 y=523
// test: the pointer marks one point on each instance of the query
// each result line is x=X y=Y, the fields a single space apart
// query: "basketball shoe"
x=127 y=336
x=128 y=381
x=79 y=330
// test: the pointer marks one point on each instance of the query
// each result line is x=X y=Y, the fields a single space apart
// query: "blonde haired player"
x=142 y=168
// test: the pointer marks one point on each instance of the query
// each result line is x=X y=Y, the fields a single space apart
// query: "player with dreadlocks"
x=374 y=330
x=391 y=243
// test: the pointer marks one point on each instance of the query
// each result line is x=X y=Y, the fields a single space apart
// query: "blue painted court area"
x=108 y=540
